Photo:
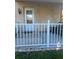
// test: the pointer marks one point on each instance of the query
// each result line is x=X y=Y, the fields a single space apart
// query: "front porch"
x=38 y=25
x=38 y=36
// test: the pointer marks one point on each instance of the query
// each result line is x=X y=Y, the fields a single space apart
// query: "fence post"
x=48 y=32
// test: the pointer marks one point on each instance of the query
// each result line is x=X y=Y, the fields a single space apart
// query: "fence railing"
x=39 y=35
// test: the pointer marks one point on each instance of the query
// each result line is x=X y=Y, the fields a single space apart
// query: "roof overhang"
x=50 y=1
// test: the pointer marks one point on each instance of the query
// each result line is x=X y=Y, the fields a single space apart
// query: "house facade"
x=38 y=24
x=37 y=12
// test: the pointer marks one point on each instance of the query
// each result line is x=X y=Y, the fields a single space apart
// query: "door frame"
x=32 y=14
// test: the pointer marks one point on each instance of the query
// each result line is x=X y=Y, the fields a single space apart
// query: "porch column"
x=48 y=32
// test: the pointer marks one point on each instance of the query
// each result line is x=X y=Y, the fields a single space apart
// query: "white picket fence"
x=38 y=35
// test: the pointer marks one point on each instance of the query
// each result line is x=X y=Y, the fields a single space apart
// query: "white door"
x=29 y=19
x=29 y=15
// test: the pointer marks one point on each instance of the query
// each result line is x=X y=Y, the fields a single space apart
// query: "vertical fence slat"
x=38 y=34
x=34 y=33
x=41 y=33
x=44 y=33
x=19 y=34
x=51 y=35
x=28 y=34
x=16 y=39
x=57 y=33
x=60 y=34
x=23 y=35
x=16 y=34
x=54 y=33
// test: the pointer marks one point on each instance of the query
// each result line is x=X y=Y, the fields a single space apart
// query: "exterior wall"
x=42 y=11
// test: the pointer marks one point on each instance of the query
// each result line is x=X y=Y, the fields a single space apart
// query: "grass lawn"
x=53 y=54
